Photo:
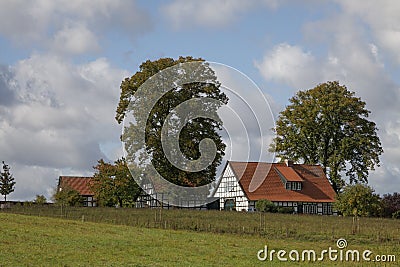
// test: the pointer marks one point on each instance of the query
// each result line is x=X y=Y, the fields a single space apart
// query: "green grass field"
x=44 y=241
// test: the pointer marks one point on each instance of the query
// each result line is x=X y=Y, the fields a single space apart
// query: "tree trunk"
x=334 y=186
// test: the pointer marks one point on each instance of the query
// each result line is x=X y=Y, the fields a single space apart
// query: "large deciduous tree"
x=329 y=125
x=113 y=184
x=194 y=130
x=7 y=182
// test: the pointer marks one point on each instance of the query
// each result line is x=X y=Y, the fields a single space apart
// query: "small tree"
x=40 y=200
x=68 y=197
x=113 y=184
x=358 y=200
x=264 y=205
x=7 y=182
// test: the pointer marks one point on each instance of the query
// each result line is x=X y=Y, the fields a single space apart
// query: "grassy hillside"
x=267 y=225
x=43 y=241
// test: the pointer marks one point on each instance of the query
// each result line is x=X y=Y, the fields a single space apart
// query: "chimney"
x=289 y=163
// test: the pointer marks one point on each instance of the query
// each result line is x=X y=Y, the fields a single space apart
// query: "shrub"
x=69 y=197
x=396 y=215
x=287 y=210
x=265 y=206
x=27 y=203
x=40 y=200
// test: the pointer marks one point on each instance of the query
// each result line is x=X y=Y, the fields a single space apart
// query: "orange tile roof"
x=80 y=184
x=260 y=180
x=289 y=174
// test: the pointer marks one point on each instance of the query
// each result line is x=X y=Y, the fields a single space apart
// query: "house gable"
x=230 y=192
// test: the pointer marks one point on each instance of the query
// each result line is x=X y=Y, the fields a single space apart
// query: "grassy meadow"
x=144 y=237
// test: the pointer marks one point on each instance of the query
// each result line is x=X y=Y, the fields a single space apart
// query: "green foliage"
x=264 y=205
x=7 y=182
x=40 y=200
x=396 y=215
x=358 y=200
x=328 y=125
x=286 y=210
x=193 y=132
x=27 y=203
x=113 y=184
x=391 y=203
x=68 y=197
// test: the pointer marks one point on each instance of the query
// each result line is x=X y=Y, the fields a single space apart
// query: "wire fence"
x=269 y=225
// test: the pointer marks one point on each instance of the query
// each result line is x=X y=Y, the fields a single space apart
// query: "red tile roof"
x=80 y=184
x=261 y=180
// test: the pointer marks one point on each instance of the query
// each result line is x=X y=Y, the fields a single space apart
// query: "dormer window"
x=293 y=186
x=289 y=177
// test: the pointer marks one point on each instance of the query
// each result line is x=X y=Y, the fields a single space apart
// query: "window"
x=293 y=185
x=298 y=186
x=324 y=208
x=327 y=208
x=288 y=185
x=230 y=186
x=310 y=208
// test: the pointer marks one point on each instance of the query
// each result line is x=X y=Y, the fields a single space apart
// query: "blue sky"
x=61 y=64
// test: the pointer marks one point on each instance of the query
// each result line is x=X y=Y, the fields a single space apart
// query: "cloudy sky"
x=61 y=64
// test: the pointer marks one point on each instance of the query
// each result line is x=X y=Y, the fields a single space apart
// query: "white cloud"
x=210 y=13
x=382 y=17
x=289 y=65
x=62 y=116
x=390 y=40
x=75 y=39
x=72 y=24
x=25 y=21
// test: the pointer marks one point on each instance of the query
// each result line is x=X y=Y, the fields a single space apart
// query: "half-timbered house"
x=301 y=186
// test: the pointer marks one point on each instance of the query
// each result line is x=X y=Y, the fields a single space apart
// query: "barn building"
x=81 y=185
x=301 y=186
